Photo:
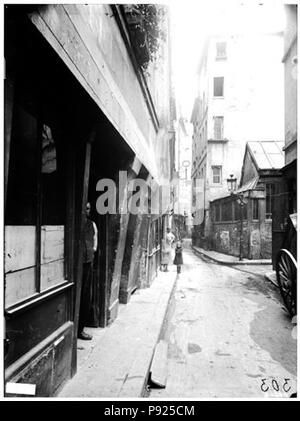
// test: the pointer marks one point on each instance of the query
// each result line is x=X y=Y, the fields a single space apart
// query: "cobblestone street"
x=228 y=335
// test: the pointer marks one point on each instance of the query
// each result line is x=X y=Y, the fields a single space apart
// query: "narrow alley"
x=227 y=334
x=150 y=201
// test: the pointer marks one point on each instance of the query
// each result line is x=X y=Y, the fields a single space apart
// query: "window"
x=35 y=209
x=236 y=211
x=220 y=50
x=218 y=127
x=156 y=236
x=217 y=174
x=218 y=86
x=194 y=192
x=245 y=211
x=270 y=190
x=292 y=198
x=217 y=210
x=255 y=209
x=227 y=211
x=22 y=187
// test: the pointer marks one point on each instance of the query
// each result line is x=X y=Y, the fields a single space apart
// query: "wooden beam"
x=61 y=28
x=119 y=224
x=126 y=258
x=80 y=230
x=9 y=96
x=39 y=206
x=136 y=255
x=70 y=221
x=103 y=269
x=119 y=14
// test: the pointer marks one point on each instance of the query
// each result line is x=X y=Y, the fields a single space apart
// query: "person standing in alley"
x=178 y=261
x=165 y=255
x=90 y=245
x=167 y=243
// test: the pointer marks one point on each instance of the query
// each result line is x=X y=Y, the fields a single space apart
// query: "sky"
x=192 y=20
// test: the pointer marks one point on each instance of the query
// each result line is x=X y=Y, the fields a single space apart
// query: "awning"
x=250 y=185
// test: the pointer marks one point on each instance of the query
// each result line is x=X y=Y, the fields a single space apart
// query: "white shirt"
x=95 y=236
x=170 y=238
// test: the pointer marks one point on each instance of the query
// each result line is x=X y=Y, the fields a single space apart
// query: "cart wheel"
x=286 y=273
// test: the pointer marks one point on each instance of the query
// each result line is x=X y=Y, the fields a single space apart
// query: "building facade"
x=79 y=108
x=183 y=157
x=284 y=233
x=235 y=103
x=247 y=231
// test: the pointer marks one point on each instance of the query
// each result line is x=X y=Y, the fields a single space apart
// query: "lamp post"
x=242 y=201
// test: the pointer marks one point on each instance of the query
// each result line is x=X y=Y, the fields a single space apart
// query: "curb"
x=144 y=392
x=110 y=371
x=144 y=357
x=269 y=278
x=224 y=262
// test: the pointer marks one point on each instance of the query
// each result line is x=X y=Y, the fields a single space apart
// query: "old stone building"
x=84 y=100
x=284 y=233
x=248 y=230
x=183 y=156
x=239 y=99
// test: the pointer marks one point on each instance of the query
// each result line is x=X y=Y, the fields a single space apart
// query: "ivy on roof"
x=146 y=29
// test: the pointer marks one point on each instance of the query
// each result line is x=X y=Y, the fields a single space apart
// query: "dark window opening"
x=227 y=211
x=292 y=201
x=270 y=191
x=244 y=212
x=35 y=207
x=236 y=211
x=21 y=207
x=219 y=86
x=255 y=214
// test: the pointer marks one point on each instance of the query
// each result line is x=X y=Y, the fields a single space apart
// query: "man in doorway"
x=90 y=245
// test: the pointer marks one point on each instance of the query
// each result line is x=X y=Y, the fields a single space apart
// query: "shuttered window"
x=220 y=50
x=217 y=174
x=218 y=127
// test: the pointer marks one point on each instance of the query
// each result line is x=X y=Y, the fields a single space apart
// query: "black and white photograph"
x=149 y=203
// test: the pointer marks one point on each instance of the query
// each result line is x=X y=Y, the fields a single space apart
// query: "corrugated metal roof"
x=268 y=154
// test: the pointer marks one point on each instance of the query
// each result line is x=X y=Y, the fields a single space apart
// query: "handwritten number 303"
x=264 y=387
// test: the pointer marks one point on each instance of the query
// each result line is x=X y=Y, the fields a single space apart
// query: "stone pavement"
x=119 y=357
x=227 y=259
x=227 y=335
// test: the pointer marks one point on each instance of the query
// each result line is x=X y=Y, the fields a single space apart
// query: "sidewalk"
x=226 y=259
x=118 y=363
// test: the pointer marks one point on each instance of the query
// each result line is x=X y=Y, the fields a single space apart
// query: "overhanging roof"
x=250 y=185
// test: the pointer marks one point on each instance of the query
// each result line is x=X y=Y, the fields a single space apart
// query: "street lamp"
x=241 y=201
x=231 y=184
